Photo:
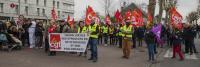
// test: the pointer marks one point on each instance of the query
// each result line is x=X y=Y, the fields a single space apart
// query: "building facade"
x=37 y=9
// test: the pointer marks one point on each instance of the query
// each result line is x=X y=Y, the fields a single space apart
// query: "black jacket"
x=176 y=38
x=39 y=30
x=150 y=37
x=188 y=34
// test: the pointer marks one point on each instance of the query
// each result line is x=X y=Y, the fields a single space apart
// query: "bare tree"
x=193 y=17
x=151 y=7
x=168 y=4
x=107 y=6
x=161 y=7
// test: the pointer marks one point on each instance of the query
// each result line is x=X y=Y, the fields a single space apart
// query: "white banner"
x=70 y=42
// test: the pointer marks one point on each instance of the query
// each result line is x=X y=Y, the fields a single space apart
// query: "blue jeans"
x=105 y=38
x=151 y=51
x=93 y=47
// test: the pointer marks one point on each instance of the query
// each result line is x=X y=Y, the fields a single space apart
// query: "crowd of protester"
x=30 y=33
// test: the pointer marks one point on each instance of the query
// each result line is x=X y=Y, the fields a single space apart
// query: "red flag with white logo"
x=128 y=15
x=137 y=18
x=176 y=18
x=90 y=14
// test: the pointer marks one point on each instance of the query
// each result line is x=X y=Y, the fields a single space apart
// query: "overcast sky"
x=184 y=6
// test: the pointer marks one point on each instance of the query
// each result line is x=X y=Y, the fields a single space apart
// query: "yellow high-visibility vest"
x=84 y=29
x=92 y=29
x=120 y=32
x=105 y=29
x=110 y=30
x=127 y=31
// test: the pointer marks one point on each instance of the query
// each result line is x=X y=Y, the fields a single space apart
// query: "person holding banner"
x=82 y=29
x=62 y=26
x=127 y=39
x=52 y=29
x=93 y=41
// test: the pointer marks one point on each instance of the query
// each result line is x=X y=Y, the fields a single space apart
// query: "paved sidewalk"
x=108 y=57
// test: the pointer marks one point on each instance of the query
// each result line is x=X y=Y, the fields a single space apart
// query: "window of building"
x=65 y=5
x=58 y=14
x=68 y=7
x=37 y=2
x=45 y=2
x=43 y=12
x=25 y=1
x=26 y=10
x=54 y=2
x=57 y=4
x=38 y=11
x=1 y=7
x=71 y=6
x=17 y=9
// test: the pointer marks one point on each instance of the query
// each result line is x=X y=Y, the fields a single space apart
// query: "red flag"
x=149 y=17
x=71 y=23
x=97 y=20
x=118 y=16
x=137 y=17
x=89 y=15
x=53 y=14
x=68 y=18
x=128 y=15
x=172 y=10
x=123 y=22
x=107 y=20
x=52 y=28
x=134 y=16
x=140 y=18
x=176 y=18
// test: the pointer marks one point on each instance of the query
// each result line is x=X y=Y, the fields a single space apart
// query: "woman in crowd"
x=39 y=34
x=150 y=38
x=25 y=34
x=51 y=29
x=31 y=31
x=176 y=36
x=82 y=29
